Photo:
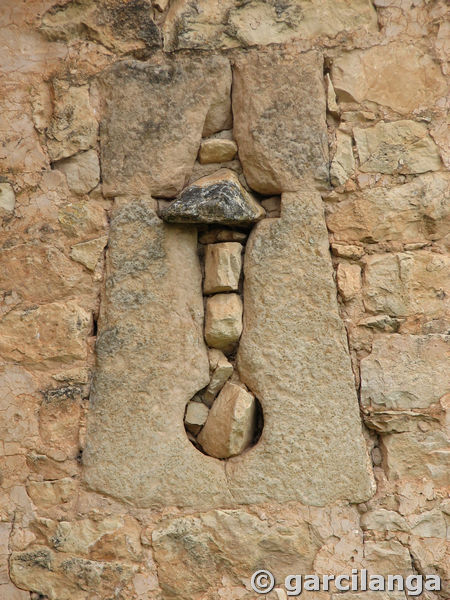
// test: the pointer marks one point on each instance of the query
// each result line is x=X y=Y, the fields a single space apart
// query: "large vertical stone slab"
x=293 y=356
x=151 y=361
x=153 y=117
x=279 y=119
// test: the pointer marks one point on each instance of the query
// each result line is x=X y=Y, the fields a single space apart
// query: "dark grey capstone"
x=223 y=202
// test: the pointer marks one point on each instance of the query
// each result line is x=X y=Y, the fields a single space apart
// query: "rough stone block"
x=82 y=171
x=7 y=198
x=231 y=422
x=223 y=264
x=279 y=123
x=217 y=151
x=348 y=280
x=196 y=415
x=223 y=321
x=220 y=371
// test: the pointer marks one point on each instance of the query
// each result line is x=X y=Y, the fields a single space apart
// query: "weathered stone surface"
x=411 y=212
x=348 y=280
x=223 y=264
x=220 y=371
x=279 y=119
x=217 y=150
x=405 y=372
x=218 y=198
x=223 y=321
x=120 y=26
x=407 y=283
x=89 y=253
x=228 y=544
x=73 y=126
x=397 y=75
x=231 y=422
x=417 y=455
x=217 y=234
x=48 y=333
x=172 y=102
x=51 y=493
x=7 y=198
x=343 y=163
x=228 y=23
x=59 y=421
x=135 y=430
x=196 y=415
x=82 y=171
x=292 y=337
x=402 y=146
x=383 y=520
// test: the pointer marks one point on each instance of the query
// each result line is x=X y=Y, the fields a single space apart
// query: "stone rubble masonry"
x=217 y=151
x=223 y=264
x=7 y=198
x=223 y=321
x=82 y=171
x=220 y=371
x=196 y=415
x=230 y=426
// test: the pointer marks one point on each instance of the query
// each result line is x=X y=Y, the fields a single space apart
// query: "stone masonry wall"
x=224 y=282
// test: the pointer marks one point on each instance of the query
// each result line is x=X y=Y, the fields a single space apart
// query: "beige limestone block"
x=51 y=493
x=397 y=75
x=230 y=425
x=228 y=544
x=82 y=171
x=415 y=211
x=402 y=146
x=214 y=24
x=196 y=415
x=223 y=321
x=279 y=122
x=383 y=520
x=220 y=371
x=151 y=361
x=217 y=150
x=347 y=250
x=7 y=198
x=223 y=264
x=348 y=280
x=417 y=455
x=343 y=163
x=74 y=125
x=405 y=372
x=293 y=338
x=89 y=253
x=46 y=334
x=407 y=283
x=150 y=145
x=215 y=235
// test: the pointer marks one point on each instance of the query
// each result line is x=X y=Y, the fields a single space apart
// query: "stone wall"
x=223 y=296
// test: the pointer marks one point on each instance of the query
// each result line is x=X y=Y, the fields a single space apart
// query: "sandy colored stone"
x=82 y=219
x=348 y=278
x=217 y=234
x=343 y=163
x=383 y=520
x=73 y=126
x=220 y=371
x=82 y=171
x=387 y=557
x=347 y=250
x=217 y=150
x=214 y=24
x=418 y=210
x=402 y=146
x=407 y=283
x=89 y=253
x=45 y=334
x=417 y=455
x=51 y=493
x=195 y=417
x=405 y=372
x=223 y=321
x=7 y=198
x=151 y=361
x=121 y=26
x=173 y=101
x=215 y=199
x=223 y=264
x=291 y=323
x=397 y=75
x=231 y=423
x=59 y=421
x=228 y=544
x=279 y=123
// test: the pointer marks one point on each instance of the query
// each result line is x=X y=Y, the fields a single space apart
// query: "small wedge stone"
x=217 y=151
x=7 y=198
x=220 y=370
x=223 y=264
x=230 y=425
x=196 y=415
x=223 y=323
